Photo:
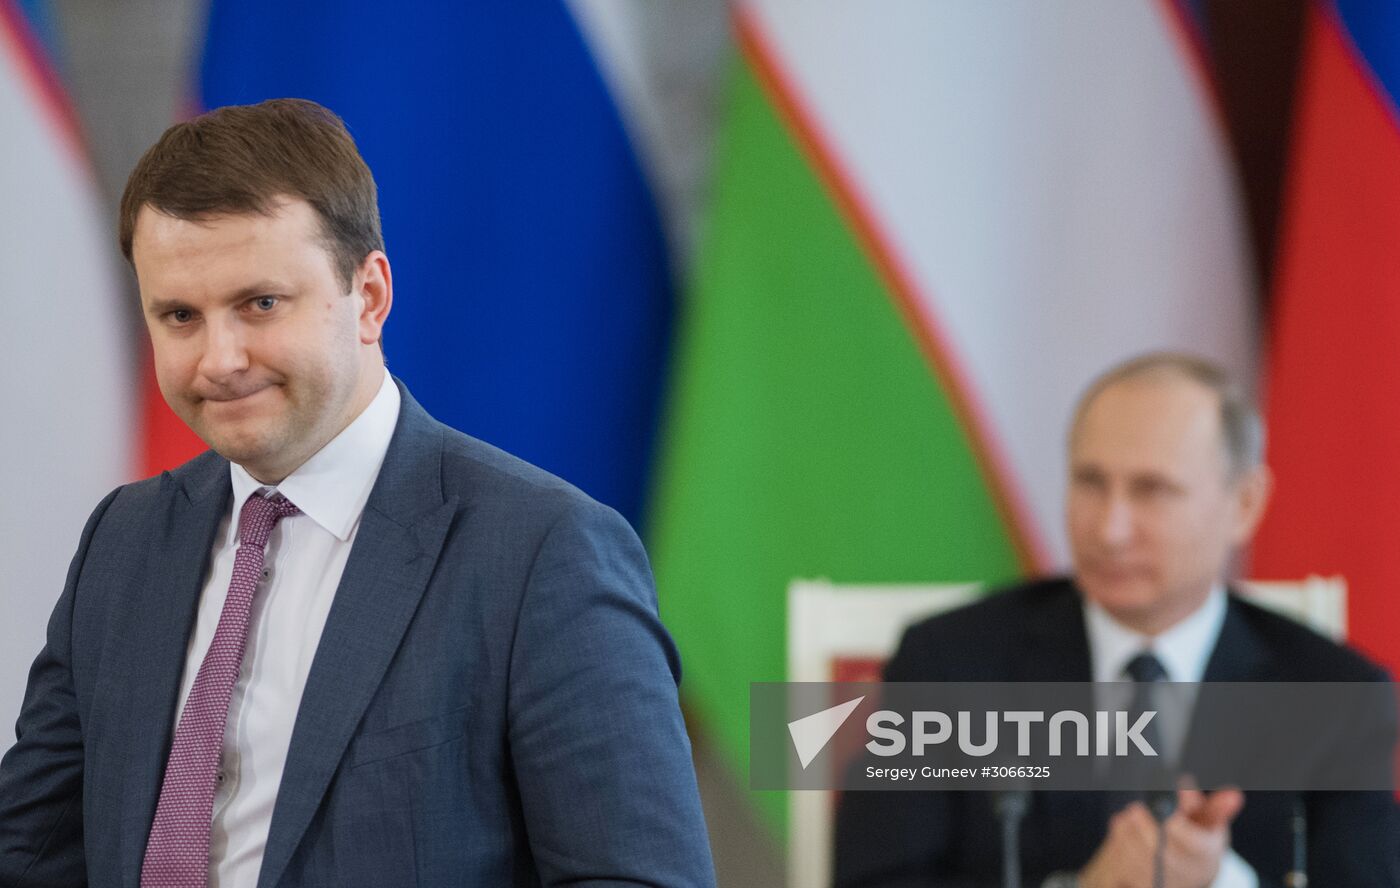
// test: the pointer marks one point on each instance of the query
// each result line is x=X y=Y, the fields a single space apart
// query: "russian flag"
x=1334 y=368
x=534 y=291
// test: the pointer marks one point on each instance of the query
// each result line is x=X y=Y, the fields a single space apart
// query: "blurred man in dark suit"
x=1166 y=482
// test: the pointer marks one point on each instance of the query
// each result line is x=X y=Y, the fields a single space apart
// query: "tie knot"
x=1145 y=667
x=259 y=515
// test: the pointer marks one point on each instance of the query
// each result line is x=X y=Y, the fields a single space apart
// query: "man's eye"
x=1151 y=490
x=181 y=315
x=1088 y=480
x=265 y=303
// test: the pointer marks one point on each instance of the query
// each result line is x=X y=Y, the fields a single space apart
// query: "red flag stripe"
x=1334 y=372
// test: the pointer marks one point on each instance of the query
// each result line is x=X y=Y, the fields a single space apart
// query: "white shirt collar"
x=1183 y=650
x=332 y=487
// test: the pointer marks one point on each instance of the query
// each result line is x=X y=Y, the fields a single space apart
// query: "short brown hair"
x=1241 y=426
x=242 y=158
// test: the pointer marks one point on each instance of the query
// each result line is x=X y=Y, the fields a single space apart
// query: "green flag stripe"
x=898 y=283
x=806 y=435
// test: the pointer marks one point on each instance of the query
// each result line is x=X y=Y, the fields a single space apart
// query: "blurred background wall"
x=804 y=288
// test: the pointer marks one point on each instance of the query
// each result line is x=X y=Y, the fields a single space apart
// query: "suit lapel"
x=158 y=623
x=396 y=548
x=1239 y=656
x=1055 y=643
x=1056 y=648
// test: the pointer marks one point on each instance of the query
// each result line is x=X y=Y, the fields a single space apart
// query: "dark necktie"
x=1139 y=772
x=177 y=852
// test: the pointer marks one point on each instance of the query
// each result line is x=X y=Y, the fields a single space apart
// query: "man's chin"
x=245 y=449
x=1127 y=601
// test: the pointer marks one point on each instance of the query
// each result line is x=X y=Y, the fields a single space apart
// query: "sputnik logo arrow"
x=811 y=734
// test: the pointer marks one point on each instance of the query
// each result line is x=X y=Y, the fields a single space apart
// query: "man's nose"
x=1115 y=526
x=225 y=352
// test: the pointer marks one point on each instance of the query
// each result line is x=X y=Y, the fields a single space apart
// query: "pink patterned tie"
x=177 y=852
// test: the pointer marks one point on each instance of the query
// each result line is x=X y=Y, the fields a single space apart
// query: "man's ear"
x=374 y=287
x=1251 y=492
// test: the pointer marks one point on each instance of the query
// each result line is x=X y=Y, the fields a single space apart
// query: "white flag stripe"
x=1052 y=178
x=67 y=391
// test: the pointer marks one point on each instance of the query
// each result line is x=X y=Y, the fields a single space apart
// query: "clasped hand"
x=1197 y=835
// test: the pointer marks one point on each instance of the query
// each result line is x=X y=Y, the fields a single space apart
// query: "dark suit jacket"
x=493 y=700
x=1036 y=632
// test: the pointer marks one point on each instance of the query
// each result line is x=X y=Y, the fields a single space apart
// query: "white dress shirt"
x=306 y=556
x=1183 y=650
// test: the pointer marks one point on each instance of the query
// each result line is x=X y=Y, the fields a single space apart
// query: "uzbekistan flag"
x=1334 y=363
x=66 y=400
x=929 y=228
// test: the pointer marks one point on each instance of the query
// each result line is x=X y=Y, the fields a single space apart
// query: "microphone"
x=1297 y=877
x=1011 y=806
x=1161 y=803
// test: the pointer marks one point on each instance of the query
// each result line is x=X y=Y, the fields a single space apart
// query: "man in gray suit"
x=349 y=645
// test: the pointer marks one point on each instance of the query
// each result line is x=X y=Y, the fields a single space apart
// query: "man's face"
x=1152 y=513
x=257 y=347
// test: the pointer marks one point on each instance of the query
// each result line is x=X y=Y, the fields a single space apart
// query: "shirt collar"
x=332 y=487
x=1183 y=650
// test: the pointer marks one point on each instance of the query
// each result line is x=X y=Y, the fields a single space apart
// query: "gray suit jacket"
x=493 y=700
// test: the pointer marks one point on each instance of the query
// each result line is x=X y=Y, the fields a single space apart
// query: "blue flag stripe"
x=1374 y=28
x=533 y=294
